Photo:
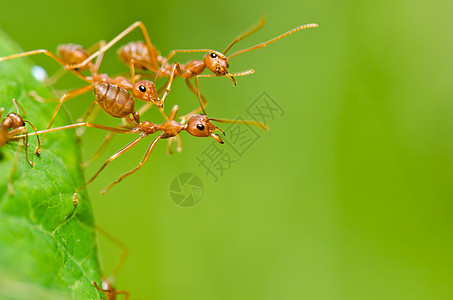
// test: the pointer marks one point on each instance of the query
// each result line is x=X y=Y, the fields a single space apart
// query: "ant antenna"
x=17 y=105
x=241 y=122
x=258 y=27
x=264 y=44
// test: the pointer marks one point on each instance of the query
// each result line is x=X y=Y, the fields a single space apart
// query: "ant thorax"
x=146 y=127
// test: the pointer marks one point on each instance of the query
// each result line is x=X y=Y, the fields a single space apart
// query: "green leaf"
x=48 y=250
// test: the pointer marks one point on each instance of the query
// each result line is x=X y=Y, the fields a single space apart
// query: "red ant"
x=197 y=125
x=218 y=63
x=11 y=126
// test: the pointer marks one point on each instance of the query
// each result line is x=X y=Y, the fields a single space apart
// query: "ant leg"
x=173 y=113
x=109 y=289
x=179 y=144
x=243 y=36
x=76 y=125
x=125 y=293
x=110 y=292
x=100 y=289
x=112 y=158
x=124 y=251
x=170 y=141
x=97 y=65
x=34 y=129
x=145 y=158
x=115 y=40
x=88 y=112
x=176 y=139
x=89 y=116
x=24 y=137
x=13 y=170
x=231 y=76
x=101 y=150
x=197 y=110
x=17 y=105
x=163 y=87
x=176 y=68
x=132 y=68
x=24 y=113
x=45 y=52
x=65 y=97
x=33 y=94
x=49 y=81
x=25 y=141
x=198 y=89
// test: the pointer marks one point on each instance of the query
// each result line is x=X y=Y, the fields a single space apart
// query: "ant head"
x=13 y=120
x=145 y=90
x=200 y=126
x=217 y=63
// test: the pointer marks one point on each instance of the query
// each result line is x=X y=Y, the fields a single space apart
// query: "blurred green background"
x=348 y=196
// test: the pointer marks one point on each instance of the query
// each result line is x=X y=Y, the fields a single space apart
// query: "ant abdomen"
x=72 y=54
x=115 y=100
x=138 y=52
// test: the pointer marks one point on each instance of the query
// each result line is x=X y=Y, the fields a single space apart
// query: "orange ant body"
x=11 y=126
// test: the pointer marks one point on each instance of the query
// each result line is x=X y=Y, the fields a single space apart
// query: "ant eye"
x=200 y=127
x=213 y=55
x=23 y=123
x=142 y=88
